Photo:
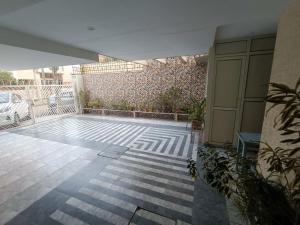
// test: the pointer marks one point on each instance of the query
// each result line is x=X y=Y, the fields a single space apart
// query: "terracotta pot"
x=197 y=125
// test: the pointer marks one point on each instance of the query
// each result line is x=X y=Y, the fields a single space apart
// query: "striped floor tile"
x=66 y=219
x=136 y=136
x=144 y=217
x=156 y=191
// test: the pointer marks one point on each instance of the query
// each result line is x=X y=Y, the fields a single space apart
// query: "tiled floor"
x=79 y=170
x=160 y=138
x=31 y=167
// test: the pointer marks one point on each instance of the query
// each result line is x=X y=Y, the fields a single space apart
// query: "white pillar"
x=77 y=81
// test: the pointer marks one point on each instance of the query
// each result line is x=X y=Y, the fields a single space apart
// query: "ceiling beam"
x=23 y=40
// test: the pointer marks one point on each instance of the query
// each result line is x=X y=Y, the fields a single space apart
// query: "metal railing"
x=107 y=67
x=28 y=104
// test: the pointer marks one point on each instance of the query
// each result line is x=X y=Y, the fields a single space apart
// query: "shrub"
x=197 y=110
x=169 y=101
x=95 y=103
x=122 y=105
x=263 y=200
x=84 y=97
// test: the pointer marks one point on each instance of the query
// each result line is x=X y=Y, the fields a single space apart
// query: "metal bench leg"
x=243 y=150
x=238 y=146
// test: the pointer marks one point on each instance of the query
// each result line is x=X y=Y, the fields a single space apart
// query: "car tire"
x=17 y=121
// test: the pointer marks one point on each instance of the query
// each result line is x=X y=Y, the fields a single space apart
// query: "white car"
x=12 y=109
x=65 y=99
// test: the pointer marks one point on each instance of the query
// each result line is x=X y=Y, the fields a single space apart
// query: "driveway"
x=92 y=170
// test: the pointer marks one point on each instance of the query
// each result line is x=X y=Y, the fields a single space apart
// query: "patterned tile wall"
x=140 y=88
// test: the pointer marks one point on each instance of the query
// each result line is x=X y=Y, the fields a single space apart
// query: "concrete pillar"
x=77 y=81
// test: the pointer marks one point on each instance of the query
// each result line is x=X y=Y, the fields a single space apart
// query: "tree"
x=6 y=78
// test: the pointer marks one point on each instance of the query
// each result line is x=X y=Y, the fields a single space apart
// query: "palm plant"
x=197 y=110
x=197 y=113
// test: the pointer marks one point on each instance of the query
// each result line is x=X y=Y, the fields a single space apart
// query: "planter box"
x=118 y=113
x=197 y=125
x=182 y=117
x=137 y=114
x=154 y=115
x=92 y=111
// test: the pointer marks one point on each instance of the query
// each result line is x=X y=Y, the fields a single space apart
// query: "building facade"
x=44 y=76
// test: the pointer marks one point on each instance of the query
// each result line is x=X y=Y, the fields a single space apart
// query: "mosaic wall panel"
x=140 y=88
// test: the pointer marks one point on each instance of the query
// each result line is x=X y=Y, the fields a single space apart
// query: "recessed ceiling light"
x=91 y=28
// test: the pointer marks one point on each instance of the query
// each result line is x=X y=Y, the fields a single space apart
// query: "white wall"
x=286 y=65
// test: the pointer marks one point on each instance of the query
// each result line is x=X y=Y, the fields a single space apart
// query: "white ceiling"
x=141 y=29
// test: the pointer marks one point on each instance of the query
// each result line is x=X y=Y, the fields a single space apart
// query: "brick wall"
x=140 y=88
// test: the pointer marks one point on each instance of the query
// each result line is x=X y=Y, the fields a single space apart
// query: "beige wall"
x=286 y=64
x=24 y=74
x=67 y=74
x=35 y=74
x=239 y=71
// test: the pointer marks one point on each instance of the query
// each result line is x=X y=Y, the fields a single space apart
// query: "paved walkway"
x=79 y=170
x=88 y=170
x=32 y=167
x=139 y=134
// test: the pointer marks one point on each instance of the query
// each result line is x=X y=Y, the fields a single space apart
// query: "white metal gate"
x=28 y=104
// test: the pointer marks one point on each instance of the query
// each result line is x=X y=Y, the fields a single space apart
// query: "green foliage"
x=95 y=104
x=197 y=110
x=284 y=162
x=260 y=199
x=122 y=105
x=84 y=98
x=184 y=108
x=87 y=102
x=7 y=78
x=192 y=168
x=217 y=166
x=288 y=120
x=169 y=101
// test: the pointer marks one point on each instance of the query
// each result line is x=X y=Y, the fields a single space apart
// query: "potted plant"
x=272 y=199
x=84 y=98
x=259 y=199
x=95 y=105
x=197 y=113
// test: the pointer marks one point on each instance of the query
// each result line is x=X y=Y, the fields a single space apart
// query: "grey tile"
x=209 y=205
x=24 y=199
x=48 y=167
x=20 y=220
x=44 y=207
x=6 y=214
x=144 y=217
